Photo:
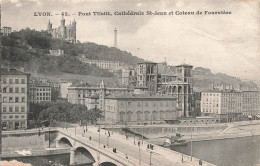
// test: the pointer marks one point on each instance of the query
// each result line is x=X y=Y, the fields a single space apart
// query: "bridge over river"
x=100 y=149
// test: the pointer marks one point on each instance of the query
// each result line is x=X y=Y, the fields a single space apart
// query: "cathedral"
x=64 y=32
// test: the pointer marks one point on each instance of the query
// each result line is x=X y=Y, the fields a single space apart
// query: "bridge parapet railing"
x=118 y=156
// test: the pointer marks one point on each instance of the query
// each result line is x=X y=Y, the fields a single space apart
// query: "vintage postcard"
x=131 y=83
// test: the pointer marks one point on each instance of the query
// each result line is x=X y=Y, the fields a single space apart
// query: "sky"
x=224 y=43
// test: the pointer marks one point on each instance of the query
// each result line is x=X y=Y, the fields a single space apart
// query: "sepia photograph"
x=130 y=83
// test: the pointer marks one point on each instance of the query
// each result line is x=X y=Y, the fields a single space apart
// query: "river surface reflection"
x=227 y=152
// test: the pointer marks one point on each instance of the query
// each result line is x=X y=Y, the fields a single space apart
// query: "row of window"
x=44 y=89
x=211 y=100
x=13 y=99
x=148 y=116
x=210 y=110
x=210 y=105
x=147 y=104
x=15 y=117
x=210 y=94
x=14 y=90
x=16 y=109
x=16 y=81
x=43 y=98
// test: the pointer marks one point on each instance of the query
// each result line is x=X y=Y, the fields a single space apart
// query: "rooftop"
x=185 y=65
x=5 y=71
x=139 y=96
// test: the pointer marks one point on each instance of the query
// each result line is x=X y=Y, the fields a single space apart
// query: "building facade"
x=141 y=109
x=64 y=32
x=57 y=52
x=109 y=65
x=230 y=105
x=40 y=93
x=77 y=93
x=6 y=31
x=251 y=103
x=64 y=89
x=15 y=99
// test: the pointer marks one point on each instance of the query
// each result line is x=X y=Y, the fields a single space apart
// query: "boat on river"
x=174 y=141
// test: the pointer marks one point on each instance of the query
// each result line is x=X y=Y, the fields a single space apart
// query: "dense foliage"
x=62 y=111
x=29 y=48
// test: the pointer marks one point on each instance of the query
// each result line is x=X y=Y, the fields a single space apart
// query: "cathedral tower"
x=49 y=27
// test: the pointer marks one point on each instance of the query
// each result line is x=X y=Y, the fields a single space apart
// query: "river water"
x=228 y=152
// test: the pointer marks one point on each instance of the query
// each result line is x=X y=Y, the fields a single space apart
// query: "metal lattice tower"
x=115 y=38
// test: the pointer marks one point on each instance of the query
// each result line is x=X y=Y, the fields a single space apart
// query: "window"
x=17 y=81
x=16 y=109
x=10 y=99
x=10 y=90
x=23 y=90
x=4 y=117
x=23 y=81
x=16 y=90
x=22 y=116
x=4 y=109
x=4 y=99
x=139 y=114
x=10 y=109
x=16 y=116
x=4 y=80
x=10 y=81
x=22 y=109
x=10 y=116
x=16 y=99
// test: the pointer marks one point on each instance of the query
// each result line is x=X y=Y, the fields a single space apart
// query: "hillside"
x=203 y=77
x=29 y=48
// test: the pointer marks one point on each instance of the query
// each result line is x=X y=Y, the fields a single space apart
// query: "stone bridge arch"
x=64 y=142
x=107 y=164
x=82 y=148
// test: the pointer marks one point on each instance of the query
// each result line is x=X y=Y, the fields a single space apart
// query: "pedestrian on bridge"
x=89 y=138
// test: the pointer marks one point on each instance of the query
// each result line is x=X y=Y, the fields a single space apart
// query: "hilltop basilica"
x=64 y=32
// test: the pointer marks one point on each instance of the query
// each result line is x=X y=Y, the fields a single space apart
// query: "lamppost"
x=191 y=146
x=108 y=141
x=49 y=137
x=75 y=128
x=139 y=153
x=151 y=157
x=99 y=132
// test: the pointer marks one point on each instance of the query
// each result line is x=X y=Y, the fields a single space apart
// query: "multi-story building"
x=141 y=109
x=77 y=93
x=92 y=101
x=195 y=104
x=64 y=32
x=251 y=103
x=230 y=105
x=57 y=52
x=128 y=76
x=40 y=93
x=14 y=98
x=6 y=30
x=109 y=65
x=64 y=89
